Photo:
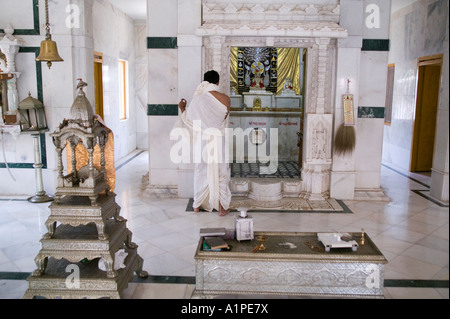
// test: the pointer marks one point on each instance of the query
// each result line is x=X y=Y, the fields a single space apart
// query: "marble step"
x=266 y=189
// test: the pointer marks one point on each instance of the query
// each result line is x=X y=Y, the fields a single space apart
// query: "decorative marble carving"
x=313 y=26
x=287 y=204
x=283 y=194
x=214 y=10
x=283 y=29
x=319 y=131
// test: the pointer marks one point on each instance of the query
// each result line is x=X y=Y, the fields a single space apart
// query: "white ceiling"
x=398 y=4
x=136 y=9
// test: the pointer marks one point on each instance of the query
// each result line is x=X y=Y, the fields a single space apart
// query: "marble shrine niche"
x=310 y=27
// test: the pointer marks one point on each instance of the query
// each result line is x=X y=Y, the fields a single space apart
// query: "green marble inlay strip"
x=162 y=109
x=162 y=43
x=36 y=51
x=165 y=280
x=416 y=283
x=425 y=194
x=375 y=45
x=17 y=165
x=371 y=112
x=36 y=23
x=189 y=280
x=31 y=165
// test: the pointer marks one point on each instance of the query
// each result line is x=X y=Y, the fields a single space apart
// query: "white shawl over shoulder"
x=206 y=108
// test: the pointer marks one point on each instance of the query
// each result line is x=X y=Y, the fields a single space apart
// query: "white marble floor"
x=411 y=230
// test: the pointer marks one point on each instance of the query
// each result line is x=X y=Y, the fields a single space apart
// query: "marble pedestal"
x=236 y=101
x=289 y=101
x=266 y=98
x=305 y=270
x=270 y=189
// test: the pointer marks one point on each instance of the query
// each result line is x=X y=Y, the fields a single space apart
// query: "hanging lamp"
x=49 y=51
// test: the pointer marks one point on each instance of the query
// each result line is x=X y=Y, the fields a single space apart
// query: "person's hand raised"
x=182 y=105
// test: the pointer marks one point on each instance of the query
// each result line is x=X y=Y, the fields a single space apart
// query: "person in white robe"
x=208 y=114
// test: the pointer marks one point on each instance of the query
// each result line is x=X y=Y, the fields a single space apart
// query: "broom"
x=345 y=139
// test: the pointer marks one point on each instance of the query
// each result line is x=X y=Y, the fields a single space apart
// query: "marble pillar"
x=83 y=47
x=162 y=31
x=342 y=176
x=348 y=60
x=365 y=66
x=190 y=75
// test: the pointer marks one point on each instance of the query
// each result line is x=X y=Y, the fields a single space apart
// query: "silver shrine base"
x=93 y=282
x=306 y=270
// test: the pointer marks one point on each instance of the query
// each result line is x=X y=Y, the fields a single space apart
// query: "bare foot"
x=196 y=210
x=223 y=212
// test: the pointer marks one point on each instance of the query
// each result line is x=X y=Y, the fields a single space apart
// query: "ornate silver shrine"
x=292 y=264
x=84 y=225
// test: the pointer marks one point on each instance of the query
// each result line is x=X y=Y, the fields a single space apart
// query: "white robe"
x=212 y=172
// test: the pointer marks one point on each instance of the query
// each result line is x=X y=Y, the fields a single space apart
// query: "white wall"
x=140 y=84
x=416 y=31
x=114 y=36
x=102 y=28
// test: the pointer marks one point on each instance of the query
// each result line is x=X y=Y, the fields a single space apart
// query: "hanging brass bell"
x=49 y=52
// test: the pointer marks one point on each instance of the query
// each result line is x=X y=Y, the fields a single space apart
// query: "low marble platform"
x=305 y=270
x=267 y=189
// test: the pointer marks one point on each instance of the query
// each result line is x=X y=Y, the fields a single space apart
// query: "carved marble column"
x=323 y=74
x=317 y=163
x=318 y=125
x=216 y=59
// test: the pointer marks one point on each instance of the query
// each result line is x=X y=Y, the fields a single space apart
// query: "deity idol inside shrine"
x=267 y=87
